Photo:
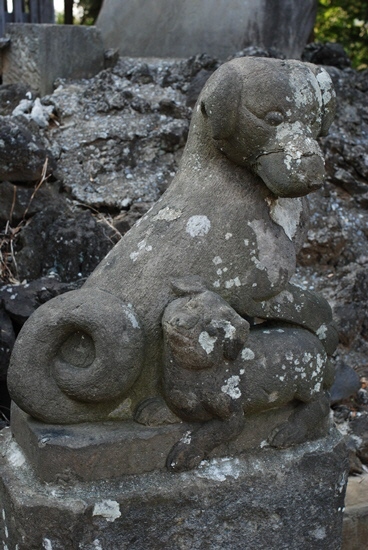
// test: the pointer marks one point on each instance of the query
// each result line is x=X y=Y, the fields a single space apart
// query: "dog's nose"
x=289 y=175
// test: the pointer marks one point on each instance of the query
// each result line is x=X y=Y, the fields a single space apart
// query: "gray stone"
x=22 y=154
x=355 y=527
x=346 y=383
x=10 y=96
x=176 y=28
x=7 y=339
x=245 y=252
x=269 y=499
x=114 y=448
x=39 y=54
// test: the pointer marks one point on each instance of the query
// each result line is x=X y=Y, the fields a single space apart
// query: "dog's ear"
x=328 y=96
x=219 y=101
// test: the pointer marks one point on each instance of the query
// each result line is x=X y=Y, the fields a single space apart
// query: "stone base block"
x=105 y=450
x=291 y=499
x=355 y=530
x=39 y=54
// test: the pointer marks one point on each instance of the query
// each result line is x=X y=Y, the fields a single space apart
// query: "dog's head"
x=266 y=114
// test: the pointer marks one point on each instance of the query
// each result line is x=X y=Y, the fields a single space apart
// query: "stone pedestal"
x=291 y=499
x=39 y=54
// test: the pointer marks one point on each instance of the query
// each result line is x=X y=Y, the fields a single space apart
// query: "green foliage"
x=91 y=9
x=346 y=22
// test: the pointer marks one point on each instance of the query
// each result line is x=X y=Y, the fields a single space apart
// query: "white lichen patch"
x=219 y=469
x=108 y=509
x=322 y=332
x=186 y=439
x=216 y=284
x=167 y=214
x=273 y=396
x=231 y=387
x=232 y=282
x=198 y=226
x=319 y=533
x=228 y=236
x=266 y=245
x=284 y=297
x=47 y=544
x=289 y=356
x=306 y=357
x=286 y=212
x=142 y=247
x=247 y=354
x=217 y=260
x=15 y=455
x=207 y=342
x=324 y=82
x=131 y=317
x=229 y=329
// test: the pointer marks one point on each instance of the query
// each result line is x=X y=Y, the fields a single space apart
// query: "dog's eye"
x=274 y=118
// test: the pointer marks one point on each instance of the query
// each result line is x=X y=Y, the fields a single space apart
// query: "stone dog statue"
x=170 y=311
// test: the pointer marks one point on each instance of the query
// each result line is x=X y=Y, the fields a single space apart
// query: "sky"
x=59 y=5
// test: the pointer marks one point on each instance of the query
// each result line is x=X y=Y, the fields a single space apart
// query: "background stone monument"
x=189 y=360
x=180 y=28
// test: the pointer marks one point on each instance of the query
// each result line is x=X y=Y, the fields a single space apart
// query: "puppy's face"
x=266 y=114
x=202 y=329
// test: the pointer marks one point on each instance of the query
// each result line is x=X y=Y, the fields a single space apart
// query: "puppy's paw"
x=155 y=412
x=184 y=456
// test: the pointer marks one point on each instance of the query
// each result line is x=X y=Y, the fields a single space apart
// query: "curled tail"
x=76 y=357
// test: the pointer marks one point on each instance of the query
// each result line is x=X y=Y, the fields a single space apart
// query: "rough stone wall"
x=179 y=28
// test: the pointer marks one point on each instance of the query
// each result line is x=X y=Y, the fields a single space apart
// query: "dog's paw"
x=286 y=435
x=184 y=456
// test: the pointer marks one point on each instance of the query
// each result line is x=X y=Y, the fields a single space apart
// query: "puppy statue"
x=222 y=239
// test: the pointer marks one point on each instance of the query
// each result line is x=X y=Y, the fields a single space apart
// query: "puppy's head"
x=202 y=329
x=266 y=114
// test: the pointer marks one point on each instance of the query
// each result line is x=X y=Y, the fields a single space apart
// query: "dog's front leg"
x=195 y=446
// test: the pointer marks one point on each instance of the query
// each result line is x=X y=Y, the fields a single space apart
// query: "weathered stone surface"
x=34 y=59
x=116 y=448
x=359 y=431
x=20 y=301
x=355 y=527
x=329 y=53
x=175 y=28
x=10 y=96
x=270 y=499
x=119 y=142
x=58 y=240
x=22 y=153
x=346 y=383
x=19 y=203
x=7 y=338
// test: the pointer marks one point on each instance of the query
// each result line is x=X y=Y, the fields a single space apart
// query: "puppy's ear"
x=219 y=101
x=190 y=284
x=328 y=96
